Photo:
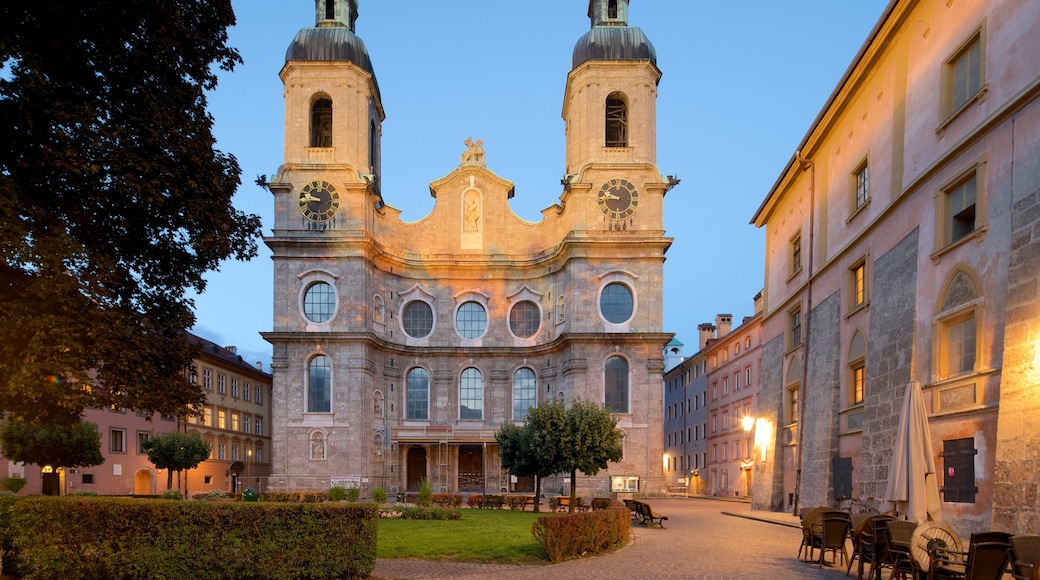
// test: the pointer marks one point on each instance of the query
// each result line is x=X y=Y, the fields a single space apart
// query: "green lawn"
x=501 y=536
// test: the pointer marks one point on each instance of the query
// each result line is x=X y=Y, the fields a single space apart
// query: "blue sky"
x=742 y=82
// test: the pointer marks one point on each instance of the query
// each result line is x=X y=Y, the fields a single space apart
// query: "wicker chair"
x=834 y=530
x=811 y=519
x=985 y=561
x=864 y=543
x=1025 y=550
x=902 y=561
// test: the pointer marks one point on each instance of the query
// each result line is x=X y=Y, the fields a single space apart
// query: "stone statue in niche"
x=474 y=153
x=472 y=212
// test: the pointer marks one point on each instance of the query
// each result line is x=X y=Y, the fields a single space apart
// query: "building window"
x=221 y=383
x=524 y=319
x=615 y=302
x=862 y=194
x=142 y=438
x=523 y=393
x=234 y=421
x=246 y=392
x=418 y=394
x=957 y=329
x=259 y=457
x=857 y=369
x=321 y=123
x=234 y=387
x=794 y=327
x=234 y=453
x=792 y=405
x=319 y=302
x=616 y=121
x=471 y=320
x=208 y=417
x=247 y=423
x=222 y=452
x=417 y=319
x=858 y=284
x=117 y=440
x=222 y=419
x=958 y=457
x=258 y=426
x=714 y=391
x=258 y=398
x=725 y=386
x=207 y=379
x=960 y=209
x=207 y=480
x=615 y=385
x=796 y=254
x=963 y=75
x=88 y=478
x=747 y=376
x=471 y=395
x=319 y=385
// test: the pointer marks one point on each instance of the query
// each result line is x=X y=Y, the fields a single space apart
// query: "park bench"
x=648 y=515
x=563 y=504
x=632 y=507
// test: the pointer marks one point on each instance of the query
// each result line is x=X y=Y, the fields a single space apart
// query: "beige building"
x=903 y=247
x=401 y=348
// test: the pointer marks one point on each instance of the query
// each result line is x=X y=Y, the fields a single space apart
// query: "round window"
x=471 y=320
x=319 y=302
x=615 y=303
x=418 y=319
x=524 y=319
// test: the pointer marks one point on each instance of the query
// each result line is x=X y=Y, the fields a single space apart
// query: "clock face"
x=618 y=199
x=319 y=201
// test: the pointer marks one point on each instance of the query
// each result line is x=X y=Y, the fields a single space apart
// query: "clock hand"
x=308 y=198
x=608 y=195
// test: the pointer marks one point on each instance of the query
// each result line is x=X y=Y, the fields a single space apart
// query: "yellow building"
x=401 y=348
x=902 y=249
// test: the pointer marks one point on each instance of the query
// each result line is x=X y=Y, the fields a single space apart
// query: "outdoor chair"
x=864 y=543
x=985 y=561
x=901 y=559
x=834 y=530
x=1025 y=550
x=811 y=518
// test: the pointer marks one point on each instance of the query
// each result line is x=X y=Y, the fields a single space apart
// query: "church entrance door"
x=471 y=468
x=416 y=467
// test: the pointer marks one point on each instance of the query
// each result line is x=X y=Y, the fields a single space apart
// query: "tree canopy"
x=555 y=439
x=78 y=445
x=176 y=451
x=114 y=201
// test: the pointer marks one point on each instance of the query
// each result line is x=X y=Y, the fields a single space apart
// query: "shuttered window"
x=958 y=457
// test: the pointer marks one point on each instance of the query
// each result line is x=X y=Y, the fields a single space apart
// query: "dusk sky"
x=742 y=82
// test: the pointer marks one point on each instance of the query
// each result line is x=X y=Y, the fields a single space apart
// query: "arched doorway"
x=144 y=482
x=416 y=467
x=51 y=480
x=471 y=468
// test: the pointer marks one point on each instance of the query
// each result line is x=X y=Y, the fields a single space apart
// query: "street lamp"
x=249 y=456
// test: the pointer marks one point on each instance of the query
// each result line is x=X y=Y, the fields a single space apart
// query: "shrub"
x=337 y=493
x=447 y=500
x=378 y=495
x=425 y=493
x=297 y=496
x=494 y=502
x=475 y=500
x=13 y=484
x=569 y=536
x=518 y=502
x=84 y=493
x=171 y=494
x=353 y=494
x=430 y=513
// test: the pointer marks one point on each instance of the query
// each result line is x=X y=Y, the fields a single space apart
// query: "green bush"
x=84 y=493
x=353 y=494
x=447 y=500
x=79 y=538
x=217 y=494
x=425 y=493
x=171 y=494
x=337 y=493
x=430 y=513
x=378 y=495
x=13 y=484
x=569 y=536
x=8 y=558
x=297 y=496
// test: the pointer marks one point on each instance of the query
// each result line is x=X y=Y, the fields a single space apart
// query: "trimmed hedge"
x=447 y=500
x=477 y=500
x=7 y=531
x=73 y=538
x=573 y=535
x=297 y=496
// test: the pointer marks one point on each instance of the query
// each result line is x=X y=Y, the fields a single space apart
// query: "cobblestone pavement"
x=702 y=539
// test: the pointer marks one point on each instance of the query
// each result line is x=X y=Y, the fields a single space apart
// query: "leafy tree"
x=589 y=442
x=78 y=445
x=176 y=451
x=114 y=201
x=532 y=450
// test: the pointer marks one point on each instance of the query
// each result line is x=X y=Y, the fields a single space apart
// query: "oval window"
x=418 y=319
x=615 y=302
x=524 y=319
x=319 y=302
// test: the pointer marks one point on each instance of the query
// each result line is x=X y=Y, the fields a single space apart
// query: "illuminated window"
x=957 y=332
x=862 y=194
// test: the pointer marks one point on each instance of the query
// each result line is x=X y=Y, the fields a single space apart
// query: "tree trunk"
x=537 y=493
x=574 y=491
x=169 y=479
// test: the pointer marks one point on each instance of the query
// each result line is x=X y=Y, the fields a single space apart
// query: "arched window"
x=319 y=385
x=321 y=123
x=418 y=394
x=372 y=146
x=957 y=331
x=617 y=121
x=523 y=393
x=471 y=395
x=615 y=385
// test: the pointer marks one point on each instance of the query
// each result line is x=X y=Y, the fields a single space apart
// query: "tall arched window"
x=523 y=393
x=418 y=394
x=615 y=387
x=471 y=395
x=617 y=121
x=321 y=123
x=319 y=385
x=957 y=338
x=372 y=148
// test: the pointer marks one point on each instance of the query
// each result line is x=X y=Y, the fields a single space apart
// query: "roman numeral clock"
x=618 y=199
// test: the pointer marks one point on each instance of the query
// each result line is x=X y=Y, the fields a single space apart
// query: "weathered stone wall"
x=891 y=343
x=821 y=395
x=768 y=491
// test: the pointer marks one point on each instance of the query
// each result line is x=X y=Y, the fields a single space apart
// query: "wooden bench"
x=563 y=503
x=632 y=507
x=648 y=515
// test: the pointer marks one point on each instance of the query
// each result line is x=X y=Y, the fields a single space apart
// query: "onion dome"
x=611 y=38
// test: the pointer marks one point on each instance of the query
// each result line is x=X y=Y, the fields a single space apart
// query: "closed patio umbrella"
x=913 y=488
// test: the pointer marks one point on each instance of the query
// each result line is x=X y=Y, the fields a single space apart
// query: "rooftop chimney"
x=724 y=322
x=231 y=349
x=707 y=332
x=259 y=365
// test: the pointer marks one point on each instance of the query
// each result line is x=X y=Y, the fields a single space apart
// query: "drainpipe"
x=802 y=395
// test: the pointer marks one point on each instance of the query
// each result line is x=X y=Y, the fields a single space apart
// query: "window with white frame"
x=471 y=395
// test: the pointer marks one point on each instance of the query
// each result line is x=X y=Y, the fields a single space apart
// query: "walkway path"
x=702 y=540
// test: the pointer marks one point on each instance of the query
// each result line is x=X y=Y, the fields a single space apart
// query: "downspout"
x=802 y=398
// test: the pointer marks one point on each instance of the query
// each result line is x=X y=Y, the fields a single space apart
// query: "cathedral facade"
x=400 y=348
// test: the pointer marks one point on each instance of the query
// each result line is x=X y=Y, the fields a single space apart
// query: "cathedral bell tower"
x=610 y=110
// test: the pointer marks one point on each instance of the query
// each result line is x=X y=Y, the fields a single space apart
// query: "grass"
x=498 y=536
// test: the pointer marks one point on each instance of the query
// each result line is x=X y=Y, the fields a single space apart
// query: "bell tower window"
x=321 y=123
x=330 y=9
x=612 y=9
x=617 y=121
